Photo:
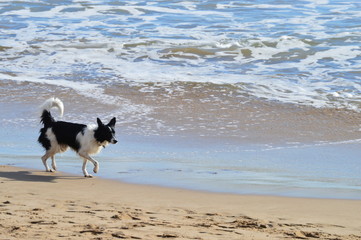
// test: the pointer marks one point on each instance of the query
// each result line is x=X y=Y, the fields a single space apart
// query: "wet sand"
x=186 y=109
x=40 y=205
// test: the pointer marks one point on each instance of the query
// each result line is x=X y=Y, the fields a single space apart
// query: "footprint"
x=118 y=235
x=168 y=235
x=124 y=216
x=95 y=230
x=42 y=222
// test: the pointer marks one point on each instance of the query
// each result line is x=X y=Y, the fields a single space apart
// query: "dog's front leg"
x=53 y=163
x=85 y=172
x=95 y=162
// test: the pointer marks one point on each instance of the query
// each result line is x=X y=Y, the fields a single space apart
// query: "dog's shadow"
x=28 y=176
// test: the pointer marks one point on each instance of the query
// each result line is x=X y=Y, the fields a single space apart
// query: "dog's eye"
x=111 y=130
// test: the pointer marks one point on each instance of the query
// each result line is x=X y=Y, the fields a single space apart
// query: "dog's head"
x=105 y=134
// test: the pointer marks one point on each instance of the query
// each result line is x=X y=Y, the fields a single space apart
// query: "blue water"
x=328 y=170
x=259 y=97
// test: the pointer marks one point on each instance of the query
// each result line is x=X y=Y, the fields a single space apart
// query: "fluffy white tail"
x=52 y=102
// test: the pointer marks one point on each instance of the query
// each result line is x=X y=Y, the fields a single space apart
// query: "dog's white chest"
x=87 y=141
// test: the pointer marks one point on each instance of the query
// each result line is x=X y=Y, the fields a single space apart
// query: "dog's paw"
x=88 y=176
x=50 y=170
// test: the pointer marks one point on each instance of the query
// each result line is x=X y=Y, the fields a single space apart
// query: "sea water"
x=257 y=97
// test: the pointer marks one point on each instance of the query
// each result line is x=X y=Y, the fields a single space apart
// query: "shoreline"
x=39 y=204
x=313 y=171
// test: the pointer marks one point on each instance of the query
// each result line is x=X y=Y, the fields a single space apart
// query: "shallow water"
x=239 y=96
x=325 y=170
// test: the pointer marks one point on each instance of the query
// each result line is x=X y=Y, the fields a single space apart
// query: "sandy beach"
x=39 y=205
x=257 y=102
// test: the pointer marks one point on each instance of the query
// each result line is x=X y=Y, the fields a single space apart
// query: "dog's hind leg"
x=53 y=163
x=44 y=158
x=85 y=172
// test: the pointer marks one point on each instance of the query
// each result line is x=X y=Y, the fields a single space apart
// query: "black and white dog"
x=57 y=136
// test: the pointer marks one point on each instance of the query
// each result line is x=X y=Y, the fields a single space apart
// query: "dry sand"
x=40 y=205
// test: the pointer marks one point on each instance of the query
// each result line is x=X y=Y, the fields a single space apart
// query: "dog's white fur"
x=52 y=102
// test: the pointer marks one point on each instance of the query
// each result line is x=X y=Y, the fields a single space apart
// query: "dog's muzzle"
x=114 y=141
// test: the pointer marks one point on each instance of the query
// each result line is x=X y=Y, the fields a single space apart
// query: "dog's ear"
x=112 y=123
x=99 y=122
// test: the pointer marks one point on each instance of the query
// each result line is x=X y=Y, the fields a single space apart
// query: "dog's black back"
x=64 y=132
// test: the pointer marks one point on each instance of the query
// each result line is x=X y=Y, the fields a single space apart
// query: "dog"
x=85 y=140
